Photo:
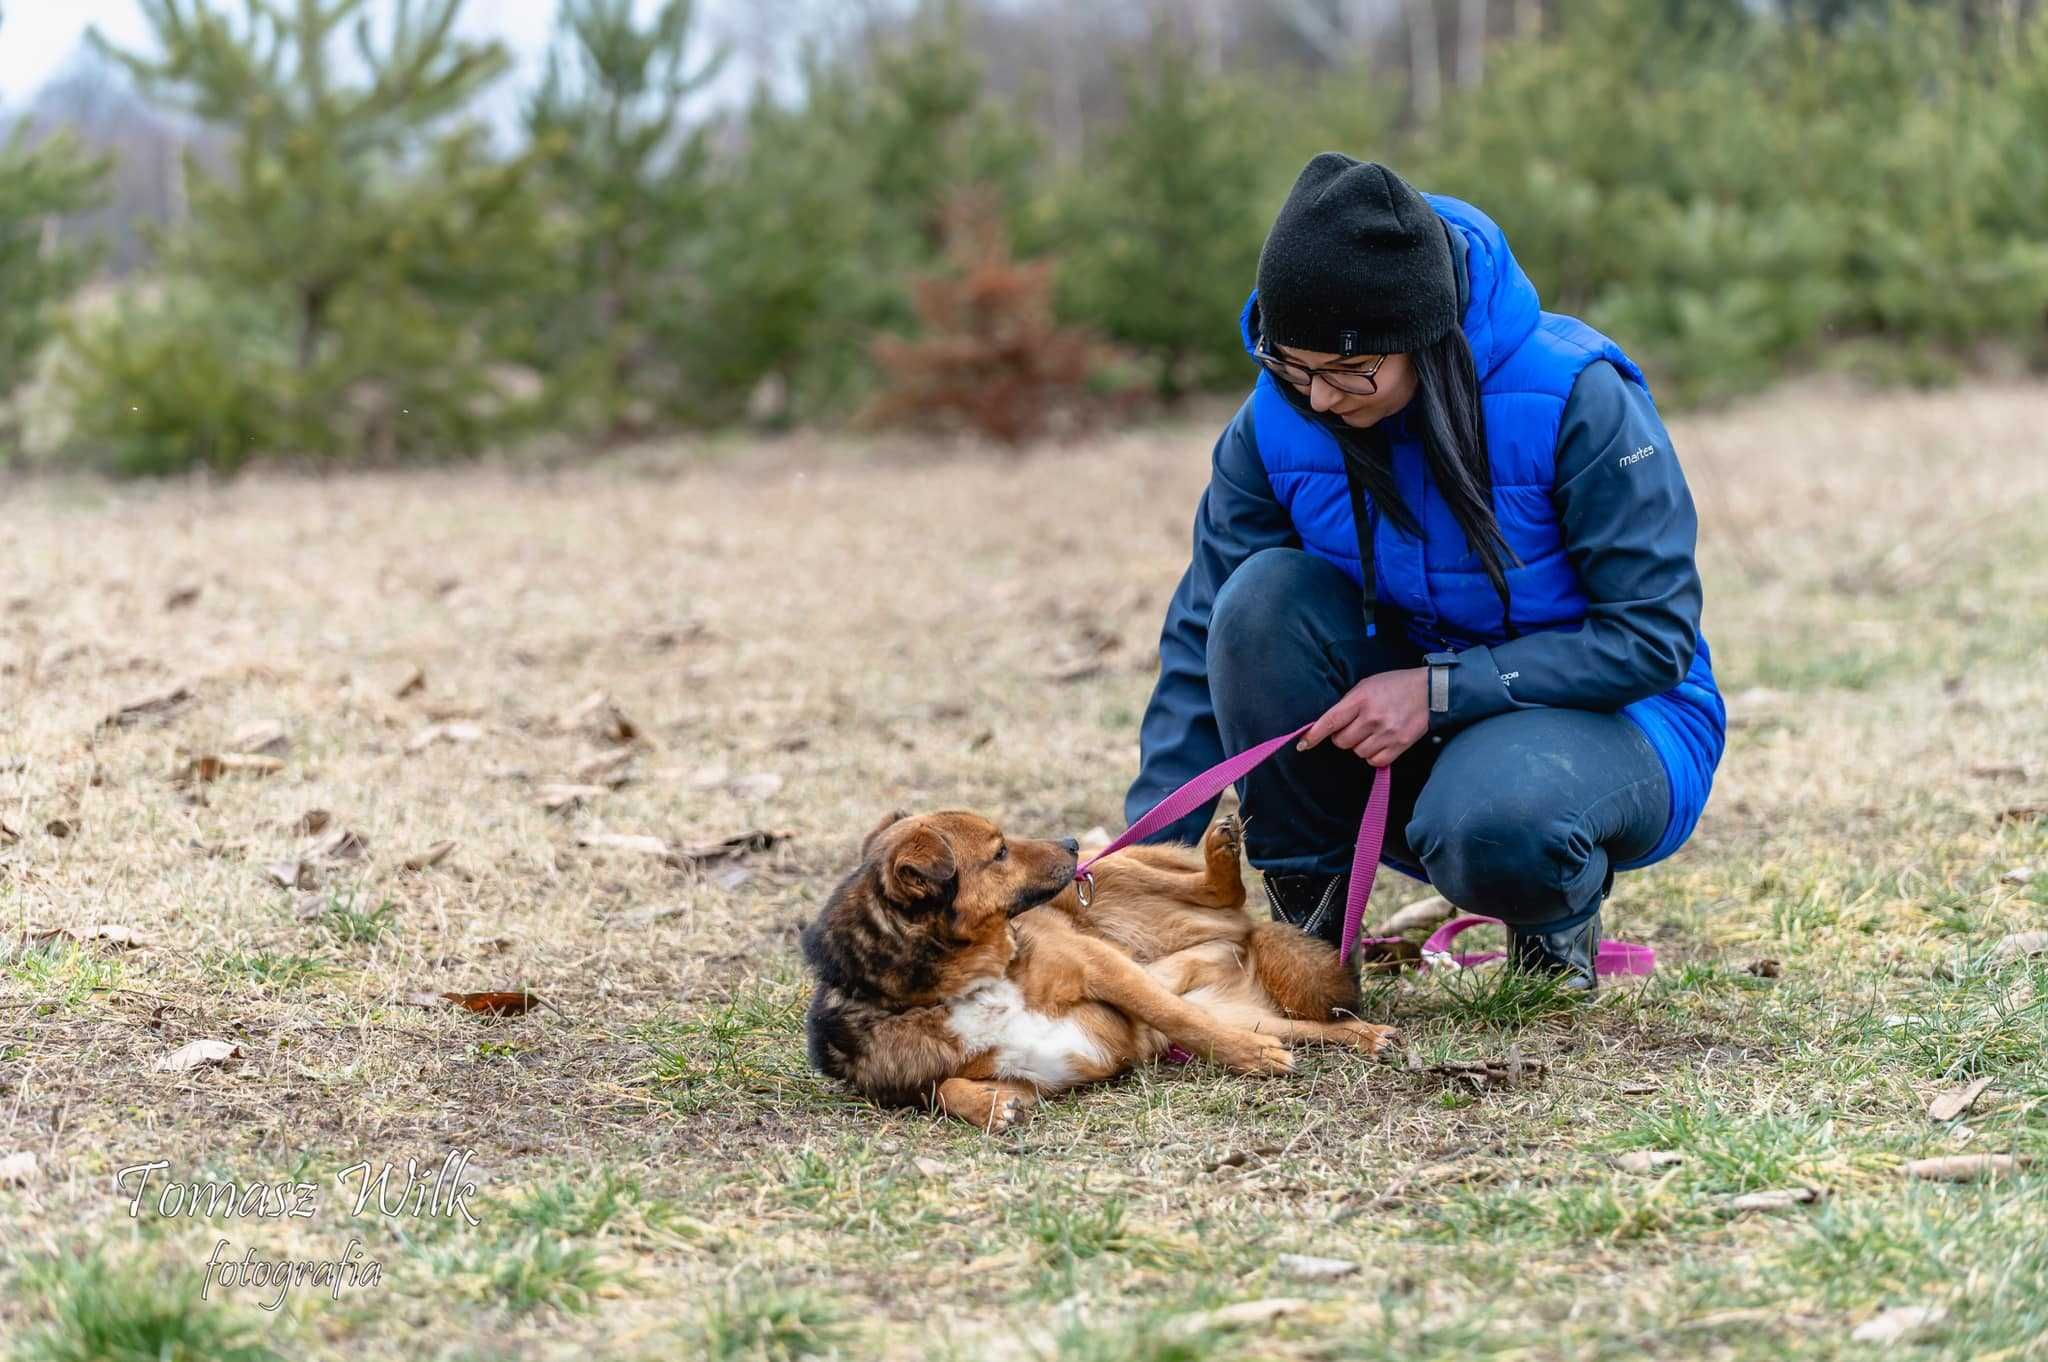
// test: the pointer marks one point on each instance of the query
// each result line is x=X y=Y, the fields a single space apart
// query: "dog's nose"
x=1073 y=847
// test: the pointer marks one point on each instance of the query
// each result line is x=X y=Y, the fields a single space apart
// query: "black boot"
x=1314 y=903
x=1568 y=954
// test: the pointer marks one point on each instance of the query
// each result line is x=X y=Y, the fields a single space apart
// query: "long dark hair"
x=1446 y=414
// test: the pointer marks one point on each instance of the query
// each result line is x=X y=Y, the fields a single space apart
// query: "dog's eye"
x=1003 y=852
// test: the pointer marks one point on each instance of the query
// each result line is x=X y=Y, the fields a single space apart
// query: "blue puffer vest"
x=1528 y=361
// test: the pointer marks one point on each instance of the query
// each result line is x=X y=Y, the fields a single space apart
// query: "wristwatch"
x=1440 y=665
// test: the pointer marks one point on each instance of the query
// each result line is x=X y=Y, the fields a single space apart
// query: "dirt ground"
x=239 y=727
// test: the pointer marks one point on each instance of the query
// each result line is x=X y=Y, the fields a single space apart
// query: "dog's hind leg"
x=1112 y=977
x=1301 y=974
x=1291 y=1030
x=996 y=1105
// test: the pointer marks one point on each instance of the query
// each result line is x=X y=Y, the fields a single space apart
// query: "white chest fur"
x=1030 y=1046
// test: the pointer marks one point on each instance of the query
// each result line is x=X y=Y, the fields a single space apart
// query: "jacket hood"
x=1501 y=307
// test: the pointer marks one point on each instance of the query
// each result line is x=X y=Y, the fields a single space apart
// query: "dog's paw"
x=1366 y=1036
x=1007 y=1113
x=1248 y=1052
x=1227 y=834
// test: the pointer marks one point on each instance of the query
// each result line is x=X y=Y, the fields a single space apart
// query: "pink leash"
x=1365 y=858
x=1614 y=957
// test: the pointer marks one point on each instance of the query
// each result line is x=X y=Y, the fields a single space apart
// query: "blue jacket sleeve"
x=1629 y=531
x=1237 y=517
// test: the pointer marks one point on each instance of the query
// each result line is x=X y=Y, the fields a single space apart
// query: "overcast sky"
x=37 y=37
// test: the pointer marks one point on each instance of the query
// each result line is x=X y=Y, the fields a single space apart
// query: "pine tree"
x=1166 y=220
x=990 y=354
x=377 y=240
x=627 y=180
x=38 y=183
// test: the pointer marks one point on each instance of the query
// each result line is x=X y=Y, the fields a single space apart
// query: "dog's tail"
x=1302 y=973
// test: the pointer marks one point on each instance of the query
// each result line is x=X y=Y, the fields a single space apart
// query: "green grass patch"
x=348 y=923
x=97 y=1310
x=761 y=1323
x=269 y=968
x=749 y=1047
x=521 y=1272
x=62 y=972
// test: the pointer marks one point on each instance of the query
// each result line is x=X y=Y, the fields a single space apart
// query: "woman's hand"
x=1378 y=719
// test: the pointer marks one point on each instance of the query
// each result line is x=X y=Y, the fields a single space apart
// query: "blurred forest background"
x=287 y=229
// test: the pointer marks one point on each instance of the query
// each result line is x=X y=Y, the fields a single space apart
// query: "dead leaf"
x=181 y=596
x=114 y=935
x=312 y=822
x=1649 y=1160
x=1314 y=1269
x=743 y=844
x=196 y=771
x=18 y=1169
x=1424 y=913
x=454 y=732
x=557 y=798
x=342 y=844
x=201 y=770
x=292 y=874
x=1963 y=1167
x=193 y=1054
x=598 y=716
x=1764 y=969
x=2019 y=945
x=624 y=841
x=758 y=785
x=931 y=1168
x=1999 y=770
x=7 y=832
x=1243 y=1314
x=262 y=737
x=1777 y=1199
x=61 y=827
x=2019 y=874
x=162 y=703
x=605 y=767
x=411 y=681
x=1956 y=1101
x=505 y=1004
x=432 y=856
x=1898 y=1324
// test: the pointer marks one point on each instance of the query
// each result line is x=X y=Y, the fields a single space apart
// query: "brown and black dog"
x=959 y=967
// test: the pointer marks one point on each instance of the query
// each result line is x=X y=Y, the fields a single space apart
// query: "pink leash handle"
x=1613 y=957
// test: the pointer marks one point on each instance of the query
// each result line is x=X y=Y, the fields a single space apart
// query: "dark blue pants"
x=1520 y=816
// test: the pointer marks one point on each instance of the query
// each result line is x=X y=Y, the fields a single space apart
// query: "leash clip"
x=1084 y=887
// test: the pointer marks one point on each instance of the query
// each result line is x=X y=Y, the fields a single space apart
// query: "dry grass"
x=659 y=1173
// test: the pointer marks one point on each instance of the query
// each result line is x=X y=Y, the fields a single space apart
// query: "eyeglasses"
x=1358 y=382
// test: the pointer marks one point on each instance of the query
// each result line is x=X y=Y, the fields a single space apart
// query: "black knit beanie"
x=1357 y=263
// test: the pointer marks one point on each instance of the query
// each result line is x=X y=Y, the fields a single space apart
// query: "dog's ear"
x=917 y=868
x=867 y=843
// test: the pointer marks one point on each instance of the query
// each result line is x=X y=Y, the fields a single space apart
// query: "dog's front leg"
x=1112 y=977
x=996 y=1105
